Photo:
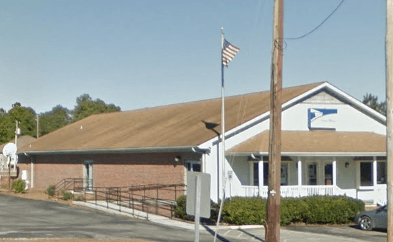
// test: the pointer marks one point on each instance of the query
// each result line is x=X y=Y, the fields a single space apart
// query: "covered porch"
x=360 y=174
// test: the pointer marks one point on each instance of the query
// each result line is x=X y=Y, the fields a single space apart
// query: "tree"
x=54 y=119
x=7 y=128
x=26 y=118
x=372 y=101
x=86 y=106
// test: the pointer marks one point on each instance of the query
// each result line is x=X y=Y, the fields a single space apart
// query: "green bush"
x=239 y=210
x=292 y=210
x=51 y=190
x=67 y=195
x=310 y=210
x=18 y=186
x=180 y=210
x=332 y=210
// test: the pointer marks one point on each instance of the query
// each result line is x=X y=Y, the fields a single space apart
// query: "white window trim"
x=288 y=171
x=383 y=184
x=306 y=163
x=324 y=163
x=251 y=170
x=192 y=162
x=358 y=180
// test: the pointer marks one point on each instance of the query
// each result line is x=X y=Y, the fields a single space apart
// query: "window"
x=265 y=174
x=312 y=173
x=381 y=172
x=329 y=174
x=193 y=166
x=284 y=174
x=256 y=174
x=366 y=173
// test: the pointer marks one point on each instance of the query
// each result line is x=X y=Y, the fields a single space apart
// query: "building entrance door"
x=88 y=174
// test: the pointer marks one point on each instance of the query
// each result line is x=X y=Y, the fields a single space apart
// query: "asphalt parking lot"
x=21 y=218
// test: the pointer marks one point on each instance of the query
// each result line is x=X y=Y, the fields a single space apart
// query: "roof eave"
x=120 y=150
x=327 y=154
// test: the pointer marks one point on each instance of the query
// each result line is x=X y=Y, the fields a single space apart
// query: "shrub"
x=67 y=195
x=79 y=198
x=241 y=210
x=311 y=210
x=18 y=186
x=180 y=210
x=332 y=210
x=292 y=210
x=51 y=190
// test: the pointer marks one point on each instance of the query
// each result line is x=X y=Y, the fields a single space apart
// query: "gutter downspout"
x=32 y=172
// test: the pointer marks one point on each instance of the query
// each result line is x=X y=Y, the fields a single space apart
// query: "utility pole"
x=272 y=224
x=9 y=158
x=38 y=125
x=389 y=113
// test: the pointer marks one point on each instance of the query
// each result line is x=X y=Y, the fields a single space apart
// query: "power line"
x=300 y=37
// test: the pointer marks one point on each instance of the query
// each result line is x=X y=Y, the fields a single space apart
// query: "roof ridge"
x=219 y=98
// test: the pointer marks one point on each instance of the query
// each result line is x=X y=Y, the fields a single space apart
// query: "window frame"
x=191 y=164
x=251 y=171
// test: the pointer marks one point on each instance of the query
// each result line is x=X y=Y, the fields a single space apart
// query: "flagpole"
x=222 y=136
x=222 y=117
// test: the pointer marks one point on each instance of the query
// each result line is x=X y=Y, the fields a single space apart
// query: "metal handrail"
x=127 y=197
x=149 y=198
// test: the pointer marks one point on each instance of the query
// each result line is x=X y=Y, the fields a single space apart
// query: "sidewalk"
x=225 y=233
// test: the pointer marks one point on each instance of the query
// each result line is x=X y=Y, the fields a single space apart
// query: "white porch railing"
x=249 y=191
x=293 y=191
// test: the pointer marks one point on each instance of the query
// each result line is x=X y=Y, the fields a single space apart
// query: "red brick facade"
x=109 y=170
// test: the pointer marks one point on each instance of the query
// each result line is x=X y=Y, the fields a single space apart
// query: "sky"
x=138 y=54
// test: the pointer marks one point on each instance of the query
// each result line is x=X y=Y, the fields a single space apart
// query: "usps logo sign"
x=320 y=118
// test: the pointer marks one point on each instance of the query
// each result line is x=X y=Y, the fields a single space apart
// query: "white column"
x=260 y=176
x=334 y=168
x=299 y=172
x=375 y=171
x=203 y=163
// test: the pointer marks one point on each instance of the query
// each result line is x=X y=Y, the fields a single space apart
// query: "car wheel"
x=366 y=223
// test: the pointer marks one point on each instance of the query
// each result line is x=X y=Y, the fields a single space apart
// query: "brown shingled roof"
x=317 y=141
x=166 y=126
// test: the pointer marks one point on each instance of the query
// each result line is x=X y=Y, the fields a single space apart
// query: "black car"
x=373 y=219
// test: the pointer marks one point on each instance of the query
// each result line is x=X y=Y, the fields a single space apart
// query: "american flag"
x=228 y=52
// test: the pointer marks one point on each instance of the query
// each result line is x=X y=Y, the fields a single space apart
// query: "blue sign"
x=319 y=118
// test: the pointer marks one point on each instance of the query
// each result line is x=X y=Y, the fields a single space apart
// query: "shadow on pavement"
x=218 y=236
x=355 y=226
x=251 y=235
x=226 y=240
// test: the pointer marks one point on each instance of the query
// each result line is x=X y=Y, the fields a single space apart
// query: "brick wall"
x=112 y=169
